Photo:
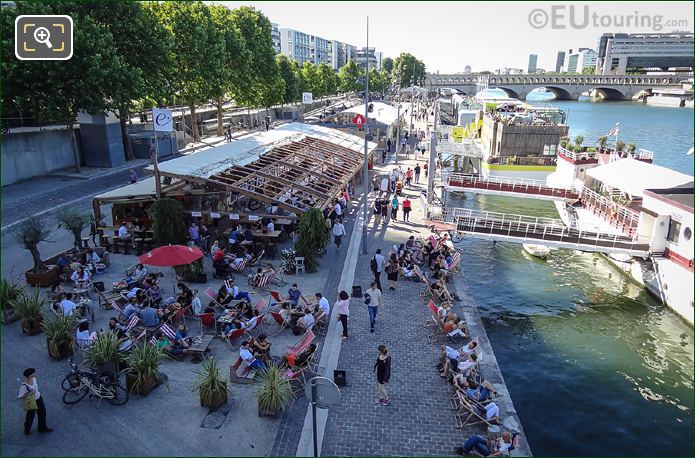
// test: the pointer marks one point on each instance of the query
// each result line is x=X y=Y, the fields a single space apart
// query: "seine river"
x=594 y=364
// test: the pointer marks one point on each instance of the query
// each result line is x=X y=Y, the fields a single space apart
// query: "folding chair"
x=236 y=334
x=257 y=325
x=280 y=321
x=121 y=317
x=210 y=293
x=132 y=322
x=303 y=343
x=238 y=267
x=275 y=295
x=207 y=320
x=260 y=305
x=297 y=381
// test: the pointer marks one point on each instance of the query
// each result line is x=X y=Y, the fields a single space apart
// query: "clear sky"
x=447 y=36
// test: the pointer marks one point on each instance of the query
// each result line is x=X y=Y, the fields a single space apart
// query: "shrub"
x=169 y=222
x=312 y=236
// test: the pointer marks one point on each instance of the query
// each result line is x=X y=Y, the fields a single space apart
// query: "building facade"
x=578 y=61
x=617 y=52
x=304 y=47
x=560 y=61
x=532 y=63
x=371 y=56
x=275 y=33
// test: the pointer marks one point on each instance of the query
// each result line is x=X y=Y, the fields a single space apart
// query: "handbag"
x=29 y=400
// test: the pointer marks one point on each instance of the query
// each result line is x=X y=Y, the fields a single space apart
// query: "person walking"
x=377 y=212
x=382 y=367
x=394 y=207
x=425 y=167
x=33 y=402
x=388 y=145
x=373 y=299
x=385 y=210
x=133 y=176
x=407 y=206
x=383 y=157
x=343 y=305
x=338 y=233
x=392 y=271
x=417 y=173
x=377 y=266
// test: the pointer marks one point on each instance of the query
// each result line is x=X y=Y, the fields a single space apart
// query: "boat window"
x=674 y=230
x=687 y=233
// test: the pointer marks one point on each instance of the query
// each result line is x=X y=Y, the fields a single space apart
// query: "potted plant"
x=60 y=336
x=142 y=375
x=32 y=232
x=104 y=353
x=10 y=292
x=631 y=147
x=29 y=306
x=274 y=391
x=602 y=142
x=169 y=222
x=211 y=386
x=74 y=222
x=312 y=237
x=287 y=262
x=619 y=146
x=578 y=140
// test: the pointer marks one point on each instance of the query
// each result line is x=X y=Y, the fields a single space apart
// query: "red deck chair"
x=210 y=293
x=280 y=322
x=275 y=295
x=296 y=379
x=257 y=325
x=261 y=304
x=236 y=334
x=207 y=319
x=303 y=343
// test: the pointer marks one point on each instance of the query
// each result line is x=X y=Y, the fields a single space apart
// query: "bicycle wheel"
x=75 y=395
x=70 y=381
x=120 y=395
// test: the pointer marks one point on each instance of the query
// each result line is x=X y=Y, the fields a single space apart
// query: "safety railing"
x=509 y=184
x=619 y=216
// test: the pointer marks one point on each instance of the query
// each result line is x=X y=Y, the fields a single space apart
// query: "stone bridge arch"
x=560 y=93
x=609 y=93
x=510 y=92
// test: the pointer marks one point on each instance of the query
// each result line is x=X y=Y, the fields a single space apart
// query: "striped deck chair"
x=119 y=309
x=303 y=343
x=468 y=414
x=128 y=344
x=239 y=267
x=455 y=259
x=132 y=322
x=263 y=281
x=168 y=331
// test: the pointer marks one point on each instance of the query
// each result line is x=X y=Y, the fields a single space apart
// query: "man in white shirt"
x=123 y=232
x=29 y=387
x=324 y=307
x=67 y=305
x=247 y=356
x=307 y=320
x=271 y=226
x=338 y=209
x=338 y=233
x=380 y=261
x=375 y=300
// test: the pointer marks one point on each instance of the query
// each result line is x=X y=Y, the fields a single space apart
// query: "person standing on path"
x=343 y=305
x=426 y=167
x=382 y=366
x=338 y=233
x=33 y=402
x=377 y=212
x=408 y=176
x=373 y=299
x=417 y=173
x=388 y=145
x=377 y=265
x=394 y=207
x=133 y=176
x=385 y=210
x=407 y=206
x=392 y=271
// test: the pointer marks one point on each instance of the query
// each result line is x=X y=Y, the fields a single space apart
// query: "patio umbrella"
x=171 y=255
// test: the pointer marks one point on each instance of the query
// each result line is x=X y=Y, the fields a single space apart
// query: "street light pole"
x=398 y=117
x=366 y=150
x=433 y=156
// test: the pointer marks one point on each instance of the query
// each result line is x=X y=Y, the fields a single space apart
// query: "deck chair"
x=178 y=316
x=455 y=259
x=275 y=295
x=206 y=320
x=297 y=381
x=303 y=343
x=210 y=293
x=238 y=267
x=254 y=260
x=132 y=322
x=257 y=325
x=279 y=321
x=121 y=317
x=236 y=334
x=260 y=305
x=240 y=372
x=128 y=344
x=467 y=414
x=168 y=331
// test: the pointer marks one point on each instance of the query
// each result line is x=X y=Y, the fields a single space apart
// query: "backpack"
x=373 y=265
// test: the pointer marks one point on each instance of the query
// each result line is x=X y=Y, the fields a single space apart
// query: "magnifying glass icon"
x=42 y=35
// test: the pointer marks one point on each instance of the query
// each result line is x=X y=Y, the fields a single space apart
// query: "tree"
x=302 y=83
x=74 y=222
x=293 y=90
x=602 y=141
x=379 y=81
x=387 y=65
x=235 y=77
x=31 y=232
x=266 y=86
x=313 y=80
x=348 y=76
x=169 y=222
x=411 y=69
x=588 y=71
x=312 y=236
x=328 y=78
x=199 y=52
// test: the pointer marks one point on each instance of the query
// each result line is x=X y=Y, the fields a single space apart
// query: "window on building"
x=674 y=230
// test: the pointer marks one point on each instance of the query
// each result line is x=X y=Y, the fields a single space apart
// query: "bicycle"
x=79 y=383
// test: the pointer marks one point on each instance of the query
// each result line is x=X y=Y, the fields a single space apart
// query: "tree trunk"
x=38 y=264
x=220 y=127
x=77 y=235
x=250 y=126
x=194 y=125
x=122 y=115
x=76 y=152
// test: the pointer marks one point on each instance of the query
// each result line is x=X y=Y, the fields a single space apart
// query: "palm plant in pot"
x=211 y=386
x=104 y=353
x=29 y=307
x=274 y=391
x=10 y=292
x=60 y=336
x=142 y=374
x=312 y=237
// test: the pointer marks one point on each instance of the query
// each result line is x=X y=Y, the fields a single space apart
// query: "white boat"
x=539 y=251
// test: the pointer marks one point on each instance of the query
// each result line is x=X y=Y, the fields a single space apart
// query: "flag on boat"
x=614 y=131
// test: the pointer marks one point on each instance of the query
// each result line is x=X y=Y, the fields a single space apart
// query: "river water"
x=594 y=364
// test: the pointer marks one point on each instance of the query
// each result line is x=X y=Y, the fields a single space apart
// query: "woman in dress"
x=392 y=271
x=382 y=367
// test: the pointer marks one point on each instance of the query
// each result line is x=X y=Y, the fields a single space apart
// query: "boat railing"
x=606 y=208
x=643 y=154
x=509 y=184
x=581 y=156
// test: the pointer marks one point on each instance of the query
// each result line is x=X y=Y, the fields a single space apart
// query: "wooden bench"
x=240 y=372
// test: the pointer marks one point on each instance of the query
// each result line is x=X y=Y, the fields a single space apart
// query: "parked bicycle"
x=80 y=383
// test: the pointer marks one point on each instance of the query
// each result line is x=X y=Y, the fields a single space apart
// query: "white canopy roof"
x=633 y=176
x=207 y=162
x=142 y=187
x=382 y=113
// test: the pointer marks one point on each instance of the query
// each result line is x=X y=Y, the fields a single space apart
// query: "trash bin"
x=357 y=291
x=339 y=377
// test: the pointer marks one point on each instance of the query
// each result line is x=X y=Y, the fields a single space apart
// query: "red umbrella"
x=171 y=255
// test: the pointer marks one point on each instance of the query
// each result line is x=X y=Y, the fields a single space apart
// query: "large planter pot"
x=109 y=369
x=215 y=402
x=144 y=388
x=61 y=350
x=43 y=279
x=262 y=412
x=31 y=327
x=9 y=315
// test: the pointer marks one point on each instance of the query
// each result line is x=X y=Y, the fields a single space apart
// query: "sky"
x=447 y=36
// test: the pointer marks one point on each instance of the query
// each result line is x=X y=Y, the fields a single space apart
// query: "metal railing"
x=583 y=156
x=509 y=184
x=640 y=153
x=619 y=216
x=532 y=229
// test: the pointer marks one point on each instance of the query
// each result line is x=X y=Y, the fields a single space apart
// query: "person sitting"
x=255 y=315
x=294 y=361
x=150 y=317
x=322 y=308
x=463 y=365
x=181 y=337
x=67 y=306
x=91 y=259
x=294 y=295
x=223 y=297
x=138 y=276
x=236 y=293
x=455 y=328
x=246 y=355
x=286 y=313
x=116 y=327
x=304 y=322
x=185 y=296
x=488 y=447
x=83 y=337
x=80 y=277
x=123 y=233
x=131 y=308
x=170 y=311
x=154 y=294
x=261 y=348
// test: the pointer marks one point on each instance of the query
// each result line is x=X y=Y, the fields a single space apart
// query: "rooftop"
x=633 y=176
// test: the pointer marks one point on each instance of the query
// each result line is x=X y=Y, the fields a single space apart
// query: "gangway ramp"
x=508 y=186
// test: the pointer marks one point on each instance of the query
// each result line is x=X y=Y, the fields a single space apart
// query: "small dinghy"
x=539 y=251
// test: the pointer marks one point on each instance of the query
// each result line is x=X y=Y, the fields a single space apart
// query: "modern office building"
x=618 y=52
x=372 y=56
x=303 y=47
x=275 y=33
x=532 y=63
x=340 y=53
x=560 y=61
x=578 y=61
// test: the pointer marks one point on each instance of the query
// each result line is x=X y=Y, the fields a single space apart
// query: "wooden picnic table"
x=267 y=235
x=200 y=343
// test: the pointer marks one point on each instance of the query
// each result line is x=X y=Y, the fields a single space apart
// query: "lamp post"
x=366 y=150
x=398 y=117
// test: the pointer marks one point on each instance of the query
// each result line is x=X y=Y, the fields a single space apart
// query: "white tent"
x=382 y=113
x=633 y=176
